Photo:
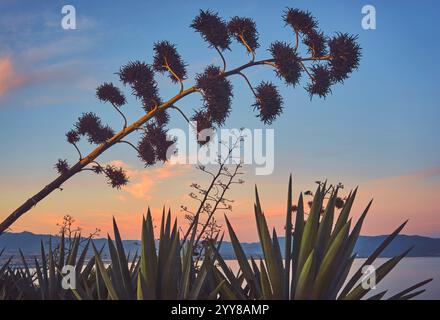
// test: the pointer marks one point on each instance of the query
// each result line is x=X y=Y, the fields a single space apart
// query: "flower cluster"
x=117 y=177
x=90 y=125
x=140 y=77
x=62 y=166
x=244 y=30
x=217 y=93
x=213 y=29
x=316 y=43
x=345 y=55
x=286 y=61
x=72 y=137
x=166 y=56
x=154 y=145
x=204 y=122
x=268 y=101
x=301 y=21
x=107 y=92
x=322 y=80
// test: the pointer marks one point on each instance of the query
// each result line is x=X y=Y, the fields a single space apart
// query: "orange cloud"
x=9 y=79
x=143 y=181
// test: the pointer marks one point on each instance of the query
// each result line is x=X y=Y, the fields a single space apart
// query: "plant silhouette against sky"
x=327 y=61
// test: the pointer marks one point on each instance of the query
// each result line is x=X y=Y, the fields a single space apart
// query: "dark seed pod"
x=90 y=125
x=345 y=55
x=287 y=62
x=244 y=29
x=339 y=203
x=97 y=169
x=87 y=122
x=107 y=92
x=203 y=122
x=72 y=136
x=136 y=71
x=213 y=29
x=322 y=80
x=217 y=93
x=147 y=153
x=62 y=166
x=268 y=101
x=140 y=77
x=117 y=177
x=162 y=117
x=101 y=135
x=167 y=55
x=301 y=21
x=316 y=43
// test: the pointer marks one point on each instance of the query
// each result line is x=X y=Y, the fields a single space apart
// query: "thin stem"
x=174 y=74
x=324 y=58
x=247 y=47
x=79 y=152
x=181 y=112
x=120 y=112
x=306 y=70
x=297 y=41
x=130 y=144
x=248 y=82
x=222 y=57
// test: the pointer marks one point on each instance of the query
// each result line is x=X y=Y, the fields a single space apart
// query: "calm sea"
x=407 y=273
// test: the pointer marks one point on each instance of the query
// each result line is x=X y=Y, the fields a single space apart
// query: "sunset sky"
x=379 y=130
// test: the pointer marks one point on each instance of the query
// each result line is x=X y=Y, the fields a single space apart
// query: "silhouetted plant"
x=332 y=60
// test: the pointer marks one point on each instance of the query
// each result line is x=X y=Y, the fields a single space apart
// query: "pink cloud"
x=9 y=79
x=143 y=181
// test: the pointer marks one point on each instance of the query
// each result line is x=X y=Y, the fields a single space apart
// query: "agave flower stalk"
x=342 y=58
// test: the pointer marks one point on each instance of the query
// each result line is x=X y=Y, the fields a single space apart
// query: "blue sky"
x=382 y=123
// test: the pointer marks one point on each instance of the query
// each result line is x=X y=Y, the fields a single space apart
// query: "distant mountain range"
x=29 y=243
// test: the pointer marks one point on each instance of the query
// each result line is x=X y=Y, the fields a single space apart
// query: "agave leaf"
x=265 y=283
x=61 y=257
x=297 y=237
x=228 y=273
x=242 y=260
x=305 y=280
x=328 y=267
x=288 y=240
x=213 y=295
x=412 y=295
x=71 y=259
x=122 y=261
x=310 y=229
x=115 y=271
x=169 y=283
x=148 y=257
x=405 y=292
x=355 y=278
x=378 y=296
x=52 y=273
x=359 y=292
x=345 y=212
x=104 y=274
x=274 y=264
x=325 y=229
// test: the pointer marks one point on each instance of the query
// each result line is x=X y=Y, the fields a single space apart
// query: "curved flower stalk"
x=331 y=60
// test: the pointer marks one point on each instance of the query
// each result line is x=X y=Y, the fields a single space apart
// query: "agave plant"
x=318 y=255
x=163 y=271
x=43 y=279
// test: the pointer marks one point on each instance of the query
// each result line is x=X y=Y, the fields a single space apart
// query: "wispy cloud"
x=9 y=78
x=142 y=182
